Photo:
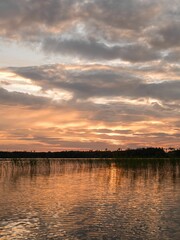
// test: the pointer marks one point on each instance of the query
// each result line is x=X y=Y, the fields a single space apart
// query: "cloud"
x=16 y=98
x=131 y=14
x=167 y=36
x=99 y=92
x=71 y=125
x=94 y=50
x=173 y=56
x=19 y=17
x=98 y=30
x=118 y=82
x=99 y=82
x=167 y=90
x=124 y=14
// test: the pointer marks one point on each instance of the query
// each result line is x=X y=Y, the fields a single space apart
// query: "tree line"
x=128 y=153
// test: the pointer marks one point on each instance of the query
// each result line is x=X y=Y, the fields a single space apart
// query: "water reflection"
x=89 y=199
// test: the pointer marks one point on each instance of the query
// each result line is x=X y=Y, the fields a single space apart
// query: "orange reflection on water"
x=87 y=199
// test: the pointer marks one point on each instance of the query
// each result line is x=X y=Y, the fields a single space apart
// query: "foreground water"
x=90 y=199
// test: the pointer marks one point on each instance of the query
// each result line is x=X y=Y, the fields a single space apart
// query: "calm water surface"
x=94 y=199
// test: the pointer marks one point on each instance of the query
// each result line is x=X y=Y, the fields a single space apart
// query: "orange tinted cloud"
x=89 y=74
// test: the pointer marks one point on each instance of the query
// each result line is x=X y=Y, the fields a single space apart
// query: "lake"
x=90 y=199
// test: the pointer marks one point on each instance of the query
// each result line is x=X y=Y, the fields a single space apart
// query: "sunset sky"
x=89 y=74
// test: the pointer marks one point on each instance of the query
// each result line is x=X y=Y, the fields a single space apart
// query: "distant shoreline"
x=84 y=159
x=147 y=153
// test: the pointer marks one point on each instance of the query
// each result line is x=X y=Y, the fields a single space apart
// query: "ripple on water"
x=89 y=200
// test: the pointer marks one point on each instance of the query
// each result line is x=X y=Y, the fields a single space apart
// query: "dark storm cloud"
x=131 y=30
x=9 y=8
x=125 y=14
x=174 y=57
x=88 y=84
x=98 y=82
x=94 y=50
x=120 y=14
x=122 y=112
x=22 y=13
x=16 y=98
x=167 y=90
x=50 y=12
x=167 y=36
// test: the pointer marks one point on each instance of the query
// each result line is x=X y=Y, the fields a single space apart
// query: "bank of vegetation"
x=128 y=153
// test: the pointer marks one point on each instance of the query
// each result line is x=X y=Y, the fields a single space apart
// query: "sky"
x=89 y=74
